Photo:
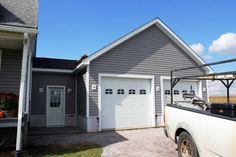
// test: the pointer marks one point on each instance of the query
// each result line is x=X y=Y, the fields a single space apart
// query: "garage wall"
x=150 y=52
x=38 y=100
x=81 y=93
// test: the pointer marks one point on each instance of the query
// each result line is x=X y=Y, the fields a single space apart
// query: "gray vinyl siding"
x=42 y=80
x=10 y=72
x=81 y=93
x=150 y=52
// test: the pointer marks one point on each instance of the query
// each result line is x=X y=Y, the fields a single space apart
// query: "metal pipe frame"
x=175 y=80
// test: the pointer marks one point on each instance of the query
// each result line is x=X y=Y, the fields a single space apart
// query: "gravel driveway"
x=130 y=143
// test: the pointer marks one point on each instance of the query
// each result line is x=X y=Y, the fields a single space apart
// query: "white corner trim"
x=153 y=93
x=18 y=29
x=160 y=25
x=99 y=102
x=87 y=91
x=52 y=70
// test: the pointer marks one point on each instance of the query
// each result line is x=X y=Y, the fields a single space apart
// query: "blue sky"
x=68 y=29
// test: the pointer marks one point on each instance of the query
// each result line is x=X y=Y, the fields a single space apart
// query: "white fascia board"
x=160 y=25
x=18 y=29
x=116 y=43
x=127 y=76
x=81 y=65
x=52 y=70
x=15 y=36
x=182 y=45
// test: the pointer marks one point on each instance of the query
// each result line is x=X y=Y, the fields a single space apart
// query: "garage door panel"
x=181 y=87
x=125 y=110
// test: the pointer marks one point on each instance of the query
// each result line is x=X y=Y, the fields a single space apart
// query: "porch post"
x=22 y=94
x=29 y=74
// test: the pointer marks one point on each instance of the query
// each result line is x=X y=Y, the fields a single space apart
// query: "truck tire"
x=186 y=146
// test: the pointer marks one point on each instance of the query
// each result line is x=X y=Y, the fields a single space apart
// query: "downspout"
x=29 y=74
x=22 y=94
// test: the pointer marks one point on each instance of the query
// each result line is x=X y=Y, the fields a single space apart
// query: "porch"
x=16 y=51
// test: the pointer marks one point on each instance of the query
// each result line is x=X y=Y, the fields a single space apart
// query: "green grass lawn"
x=72 y=150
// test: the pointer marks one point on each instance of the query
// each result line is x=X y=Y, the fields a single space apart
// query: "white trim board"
x=87 y=91
x=64 y=101
x=160 y=25
x=152 y=78
x=18 y=29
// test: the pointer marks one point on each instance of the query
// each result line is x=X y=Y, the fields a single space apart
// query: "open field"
x=221 y=99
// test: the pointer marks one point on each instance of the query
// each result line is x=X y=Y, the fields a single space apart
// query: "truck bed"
x=206 y=112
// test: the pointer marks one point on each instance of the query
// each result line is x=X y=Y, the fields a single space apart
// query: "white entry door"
x=125 y=103
x=55 y=106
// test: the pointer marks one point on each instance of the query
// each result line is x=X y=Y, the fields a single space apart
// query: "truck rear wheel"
x=186 y=146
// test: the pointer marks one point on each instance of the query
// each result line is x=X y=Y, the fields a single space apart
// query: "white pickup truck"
x=199 y=132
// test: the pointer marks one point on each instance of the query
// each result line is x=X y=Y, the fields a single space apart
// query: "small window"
x=131 y=91
x=184 y=91
x=142 y=91
x=120 y=91
x=167 y=92
x=108 y=91
x=192 y=92
x=176 y=92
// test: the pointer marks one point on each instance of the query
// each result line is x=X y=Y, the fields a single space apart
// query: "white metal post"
x=22 y=94
x=28 y=83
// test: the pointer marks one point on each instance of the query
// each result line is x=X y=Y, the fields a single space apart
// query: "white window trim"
x=152 y=78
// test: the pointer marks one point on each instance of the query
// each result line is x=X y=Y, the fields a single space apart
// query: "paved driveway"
x=131 y=143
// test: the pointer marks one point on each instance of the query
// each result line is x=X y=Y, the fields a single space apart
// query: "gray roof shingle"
x=53 y=63
x=23 y=13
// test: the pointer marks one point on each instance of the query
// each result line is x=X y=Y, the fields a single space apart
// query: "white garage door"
x=125 y=103
x=179 y=89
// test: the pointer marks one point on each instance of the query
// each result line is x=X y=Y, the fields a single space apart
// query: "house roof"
x=20 y=13
x=53 y=63
x=161 y=26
